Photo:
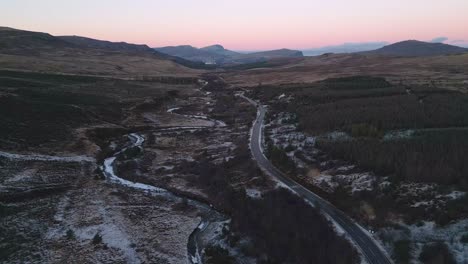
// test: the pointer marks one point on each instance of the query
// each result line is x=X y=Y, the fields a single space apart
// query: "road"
x=368 y=246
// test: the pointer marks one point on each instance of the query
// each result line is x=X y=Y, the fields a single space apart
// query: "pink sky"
x=242 y=24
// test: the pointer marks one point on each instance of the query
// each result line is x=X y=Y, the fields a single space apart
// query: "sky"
x=244 y=24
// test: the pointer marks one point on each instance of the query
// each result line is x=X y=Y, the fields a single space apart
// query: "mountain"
x=217 y=54
x=102 y=44
x=414 y=48
x=218 y=49
x=193 y=54
x=21 y=49
x=28 y=43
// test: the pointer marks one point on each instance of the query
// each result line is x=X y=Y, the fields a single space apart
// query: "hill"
x=129 y=48
x=107 y=45
x=217 y=54
x=193 y=54
x=220 y=50
x=268 y=55
x=37 y=51
x=414 y=48
x=20 y=42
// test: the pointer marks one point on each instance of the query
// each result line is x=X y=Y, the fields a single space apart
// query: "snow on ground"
x=337 y=136
x=40 y=157
x=428 y=232
x=112 y=233
x=170 y=110
x=325 y=182
x=285 y=134
x=253 y=193
x=399 y=134
x=199 y=116
x=24 y=175
x=358 y=181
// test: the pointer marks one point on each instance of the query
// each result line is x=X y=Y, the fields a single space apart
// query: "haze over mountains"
x=217 y=54
x=19 y=42
x=349 y=47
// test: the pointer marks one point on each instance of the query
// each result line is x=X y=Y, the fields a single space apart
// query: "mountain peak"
x=214 y=47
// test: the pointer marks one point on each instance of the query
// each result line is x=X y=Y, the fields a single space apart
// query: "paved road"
x=367 y=246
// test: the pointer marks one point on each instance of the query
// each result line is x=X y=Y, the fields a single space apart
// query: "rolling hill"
x=26 y=50
x=414 y=48
x=106 y=45
x=20 y=42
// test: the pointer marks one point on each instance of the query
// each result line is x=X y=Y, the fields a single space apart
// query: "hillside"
x=37 y=51
x=220 y=50
x=20 y=42
x=107 y=45
x=193 y=54
x=267 y=55
x=128 y=48
x=414 y=48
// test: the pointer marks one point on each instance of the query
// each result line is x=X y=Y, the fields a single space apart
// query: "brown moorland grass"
x=445 y=71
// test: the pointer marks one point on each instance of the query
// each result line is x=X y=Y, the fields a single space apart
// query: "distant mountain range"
x=407 y=48
x=415 y=48
x=20 y=42
x=217 y=54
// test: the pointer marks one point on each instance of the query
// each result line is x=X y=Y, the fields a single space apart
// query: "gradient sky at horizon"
x=243 y=24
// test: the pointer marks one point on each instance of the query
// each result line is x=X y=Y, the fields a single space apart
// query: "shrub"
x=365 y=130
x=97 y=239
x=217 y=255
x=436 y=253
x=70 y=234
x=402 y=251
x=464 y=239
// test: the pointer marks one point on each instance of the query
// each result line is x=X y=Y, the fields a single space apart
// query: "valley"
x=113 y=152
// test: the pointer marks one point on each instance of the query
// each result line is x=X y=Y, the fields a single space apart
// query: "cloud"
x=348 y=47
x=459 y=42
x=439 y=39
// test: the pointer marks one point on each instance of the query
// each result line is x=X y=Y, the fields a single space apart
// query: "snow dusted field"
x=327 y=174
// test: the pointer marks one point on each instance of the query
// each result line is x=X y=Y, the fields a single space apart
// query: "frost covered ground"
x=314 y=167
x=59 y=209
x=318 y=169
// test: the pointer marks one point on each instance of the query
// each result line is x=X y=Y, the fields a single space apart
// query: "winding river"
x=194 y=247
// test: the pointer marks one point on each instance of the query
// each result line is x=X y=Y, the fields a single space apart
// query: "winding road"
x=367 y=246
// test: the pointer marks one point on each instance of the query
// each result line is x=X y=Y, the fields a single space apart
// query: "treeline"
x=386 y=113
x=280 y=159
x=169 y=79
x=288 y=230
x=356 y=83
x=438 y=156
x=26 y=123
x=283 y=227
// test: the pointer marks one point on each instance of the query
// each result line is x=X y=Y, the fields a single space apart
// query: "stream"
x=193 y=245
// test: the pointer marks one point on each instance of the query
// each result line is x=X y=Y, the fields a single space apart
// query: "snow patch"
x=40 y=157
